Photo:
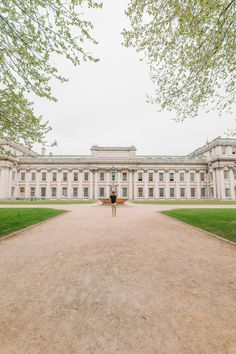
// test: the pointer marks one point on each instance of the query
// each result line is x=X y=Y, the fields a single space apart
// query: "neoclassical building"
x=207 y=173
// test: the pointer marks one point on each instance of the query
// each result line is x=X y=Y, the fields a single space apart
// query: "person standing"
x=113 y=198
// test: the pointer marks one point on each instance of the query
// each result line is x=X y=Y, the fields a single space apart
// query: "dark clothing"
x=113 y=198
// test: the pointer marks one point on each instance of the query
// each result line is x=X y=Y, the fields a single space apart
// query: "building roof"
x=113 y=148
x=17 y=146
x=209 y=145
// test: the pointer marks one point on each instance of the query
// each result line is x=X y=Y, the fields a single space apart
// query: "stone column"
x=90 y=184
x=231 y=178
x=198 y=186
x=48 y=185
x=37 y=186
x=4 y=182
x=222 y=183
x=216 y=183
x=130 y=194
x=27 y=180
x=80 y=180
x=118 y=183
x=167 y=184
x=145 y=189
x=155 y=178
x=93 y=186
x=187 y=174
x=177 y=187
x=96 y=184
x=135 y=192
x=107 y=178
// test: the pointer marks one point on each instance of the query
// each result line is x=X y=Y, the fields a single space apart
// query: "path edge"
x=198 y=229
x=16 y=233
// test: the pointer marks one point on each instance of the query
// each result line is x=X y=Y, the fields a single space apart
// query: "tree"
x=190 y=46
x=18 y=121
x=30 y=33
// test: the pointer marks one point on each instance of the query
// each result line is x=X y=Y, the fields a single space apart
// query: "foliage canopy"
x=30 y=33
x=191 y=49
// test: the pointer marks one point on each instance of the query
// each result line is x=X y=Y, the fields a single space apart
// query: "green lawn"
x=46 y=202
x=221 y=222
x=187 y=202
x=14 y=219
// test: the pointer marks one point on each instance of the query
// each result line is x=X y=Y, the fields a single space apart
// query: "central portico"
x=111 y=152
x=114 y=154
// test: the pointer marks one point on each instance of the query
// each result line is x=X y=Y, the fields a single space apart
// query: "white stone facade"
x=207 y=173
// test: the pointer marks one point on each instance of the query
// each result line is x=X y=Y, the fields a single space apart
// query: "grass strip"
x=29 y=202
x=221 y=222
x=15 y=219
x=186 y=202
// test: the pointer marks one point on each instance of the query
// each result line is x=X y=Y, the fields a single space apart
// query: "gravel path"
x=138 y=283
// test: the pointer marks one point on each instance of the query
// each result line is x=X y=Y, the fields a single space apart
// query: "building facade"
x=207 y=173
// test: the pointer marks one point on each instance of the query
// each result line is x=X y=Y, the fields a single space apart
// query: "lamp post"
x=113 y=179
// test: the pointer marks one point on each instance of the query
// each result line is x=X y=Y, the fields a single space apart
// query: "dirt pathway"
x=138 y=283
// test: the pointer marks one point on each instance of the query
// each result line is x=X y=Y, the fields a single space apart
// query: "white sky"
x=104 y=103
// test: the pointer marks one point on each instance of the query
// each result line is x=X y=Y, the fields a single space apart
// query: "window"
x=12 y=191
x=193 y=192
x=32 y=191
x=211 y=176
x=64 y=177
x=86 y=192
x=234 y=174
x=151 y=193
x=64 y=191
x=234 y=151
x=113 y=175
x=86 y=176
x=140 y=177
x=171 y=177
x=211 y=192
x=102 y=176
x=75 y=192
x=172 y=192
x=13 y=175
x=33 y=175
x=202 y=176
x=203 y=192
x=43 y=176
x=54 y=176
x=54 y=192
x=150 y=177
x=182 y=192
x=43 y=192
x=192 y=176
x=227 y=192
x=22 y=190
x=75 y=176
x=223 y=150
x=161 y=192
x=140 y=193
x=161 y=177
x=124 y=175
x=125 y=192
x=22 y=176
x=181 y=176
x=226 y=174
x=101 y=192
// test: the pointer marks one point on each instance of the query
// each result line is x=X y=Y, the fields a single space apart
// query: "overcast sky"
x=104 y=103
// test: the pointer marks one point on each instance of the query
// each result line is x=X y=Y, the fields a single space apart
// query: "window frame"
x=52 y=194
x=140 y=176
x=140 y=189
